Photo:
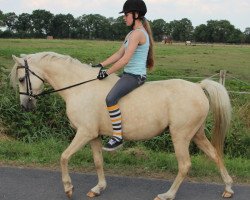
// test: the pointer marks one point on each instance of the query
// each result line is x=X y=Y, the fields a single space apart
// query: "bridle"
x=29 y=91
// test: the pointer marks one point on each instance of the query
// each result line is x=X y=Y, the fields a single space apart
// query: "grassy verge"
x=146 y=163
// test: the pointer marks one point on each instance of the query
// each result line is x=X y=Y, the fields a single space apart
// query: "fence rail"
x=235 y=92
x=222 y=79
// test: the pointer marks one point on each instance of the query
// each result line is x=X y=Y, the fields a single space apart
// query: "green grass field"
x=188 y=62
x=178 y=60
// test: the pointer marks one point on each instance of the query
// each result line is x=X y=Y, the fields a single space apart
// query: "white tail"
x=221 y=108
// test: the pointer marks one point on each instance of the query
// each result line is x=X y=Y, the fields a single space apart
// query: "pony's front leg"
x=81 y=138
x=98 y=160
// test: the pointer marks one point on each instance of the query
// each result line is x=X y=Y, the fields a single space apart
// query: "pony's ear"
x=18 y=61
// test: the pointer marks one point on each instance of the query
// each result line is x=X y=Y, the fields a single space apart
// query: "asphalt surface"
x=33 y=184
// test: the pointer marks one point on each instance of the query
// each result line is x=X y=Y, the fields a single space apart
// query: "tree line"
x=42 y=23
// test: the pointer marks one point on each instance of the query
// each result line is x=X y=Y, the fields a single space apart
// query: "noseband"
x=29 y=91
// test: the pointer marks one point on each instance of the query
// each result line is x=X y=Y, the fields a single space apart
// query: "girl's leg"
x=124 y=85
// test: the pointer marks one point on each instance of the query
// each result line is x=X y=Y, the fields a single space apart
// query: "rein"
x=29 y=91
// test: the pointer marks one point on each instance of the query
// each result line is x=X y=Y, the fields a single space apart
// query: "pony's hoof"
x=158 y=198
x=227 y=194
x=92 y=194
x=70 y=193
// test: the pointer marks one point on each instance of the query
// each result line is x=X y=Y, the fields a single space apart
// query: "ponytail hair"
x=150 y=58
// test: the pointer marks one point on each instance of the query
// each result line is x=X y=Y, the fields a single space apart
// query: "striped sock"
x=116 y=119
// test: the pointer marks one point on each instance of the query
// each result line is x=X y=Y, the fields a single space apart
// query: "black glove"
x=102 y=74
x=97 y=65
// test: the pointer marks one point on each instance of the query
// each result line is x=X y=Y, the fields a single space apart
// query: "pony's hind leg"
x=181 y=146
x=98 y=160
x=81 y=138
x=204 y=144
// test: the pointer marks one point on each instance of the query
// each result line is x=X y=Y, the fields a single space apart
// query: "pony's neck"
x=59 y=75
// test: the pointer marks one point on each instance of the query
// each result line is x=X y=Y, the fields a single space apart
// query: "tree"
x=200 y=33
x=1 y=19
x=182 y=30
x=236 y=36
x=41 y=22
x=159 y=28
x=93 y=26
x=102 y=27
x=247 y=35
x=23 y=25
x=226 y=30
x=9 y=20
x=219 y=31
x=118 y=28
x=174 y=26
x=187 y=29
x=71 y=25
x=62 y=25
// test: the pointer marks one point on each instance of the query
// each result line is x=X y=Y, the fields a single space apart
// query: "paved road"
x=32 y=184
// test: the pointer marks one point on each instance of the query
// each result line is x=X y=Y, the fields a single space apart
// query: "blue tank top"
x=138 y=62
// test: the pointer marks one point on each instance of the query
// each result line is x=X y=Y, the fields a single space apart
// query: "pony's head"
x=29 y=79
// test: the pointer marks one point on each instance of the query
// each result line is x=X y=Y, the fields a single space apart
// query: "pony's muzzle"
x=27 y=108
x=28 y=104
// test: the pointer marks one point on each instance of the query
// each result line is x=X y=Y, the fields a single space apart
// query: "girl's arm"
x=114 y=58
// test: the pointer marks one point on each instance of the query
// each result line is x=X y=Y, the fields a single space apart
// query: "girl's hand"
x=102 y=74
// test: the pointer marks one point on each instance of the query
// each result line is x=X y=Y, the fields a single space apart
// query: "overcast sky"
x=197 y=11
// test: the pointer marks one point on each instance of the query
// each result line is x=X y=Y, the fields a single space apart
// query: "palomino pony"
x=179 y=105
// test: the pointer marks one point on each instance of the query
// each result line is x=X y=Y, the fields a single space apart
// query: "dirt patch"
x=4 y=137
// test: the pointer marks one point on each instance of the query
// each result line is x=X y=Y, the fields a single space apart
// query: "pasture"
x=193 y=63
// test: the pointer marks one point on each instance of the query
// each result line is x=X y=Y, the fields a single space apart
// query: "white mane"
x=52 y=56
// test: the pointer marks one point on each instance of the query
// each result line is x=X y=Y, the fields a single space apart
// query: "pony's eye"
x=21 y=79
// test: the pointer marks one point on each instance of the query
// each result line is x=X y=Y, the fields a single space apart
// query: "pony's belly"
x=143 y=133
